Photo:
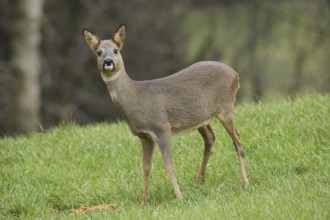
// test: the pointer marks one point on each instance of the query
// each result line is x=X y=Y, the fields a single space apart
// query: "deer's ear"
x=120 y=36
x=92 y=40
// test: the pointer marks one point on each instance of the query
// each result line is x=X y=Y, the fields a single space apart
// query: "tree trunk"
x=26 y=65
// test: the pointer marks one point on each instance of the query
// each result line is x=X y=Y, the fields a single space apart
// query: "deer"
x=157 y=110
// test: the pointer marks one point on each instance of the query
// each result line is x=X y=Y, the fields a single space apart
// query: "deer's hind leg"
x=227 y=121
x=209 y=138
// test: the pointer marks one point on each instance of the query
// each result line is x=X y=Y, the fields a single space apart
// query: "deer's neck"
x=121 y=88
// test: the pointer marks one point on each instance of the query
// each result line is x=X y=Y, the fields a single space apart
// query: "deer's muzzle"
x=108 y=64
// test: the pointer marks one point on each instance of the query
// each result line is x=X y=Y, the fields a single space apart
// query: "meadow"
x=286 y=142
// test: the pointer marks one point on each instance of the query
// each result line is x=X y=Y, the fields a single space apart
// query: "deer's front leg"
x=164 y=142
x=148 y=146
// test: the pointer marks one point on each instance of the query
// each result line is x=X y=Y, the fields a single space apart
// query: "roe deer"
x=156 y=110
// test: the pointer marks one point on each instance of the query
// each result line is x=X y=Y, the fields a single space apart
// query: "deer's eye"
x=116 y=50
x=99 y=52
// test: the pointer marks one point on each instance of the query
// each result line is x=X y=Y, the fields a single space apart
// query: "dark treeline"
x=48 y=74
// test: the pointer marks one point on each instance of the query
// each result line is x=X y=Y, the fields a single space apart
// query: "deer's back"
x=205 y=83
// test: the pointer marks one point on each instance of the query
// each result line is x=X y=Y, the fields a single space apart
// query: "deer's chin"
x=109 y=76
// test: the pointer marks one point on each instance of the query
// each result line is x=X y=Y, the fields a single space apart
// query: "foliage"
x=277 y=48
x=48 y=175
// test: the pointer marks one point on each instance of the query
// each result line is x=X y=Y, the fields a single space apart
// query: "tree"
x=25 y=67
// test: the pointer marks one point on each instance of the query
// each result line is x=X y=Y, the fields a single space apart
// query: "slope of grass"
x=47 y=175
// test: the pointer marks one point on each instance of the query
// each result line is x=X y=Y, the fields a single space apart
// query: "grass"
x=47 y=175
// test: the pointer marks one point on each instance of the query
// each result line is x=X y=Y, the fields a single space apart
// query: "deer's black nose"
x=108 y=62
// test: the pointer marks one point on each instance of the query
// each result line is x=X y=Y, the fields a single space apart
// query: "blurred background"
x=48 y=75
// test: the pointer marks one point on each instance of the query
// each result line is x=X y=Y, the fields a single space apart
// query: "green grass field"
x=48 y=175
